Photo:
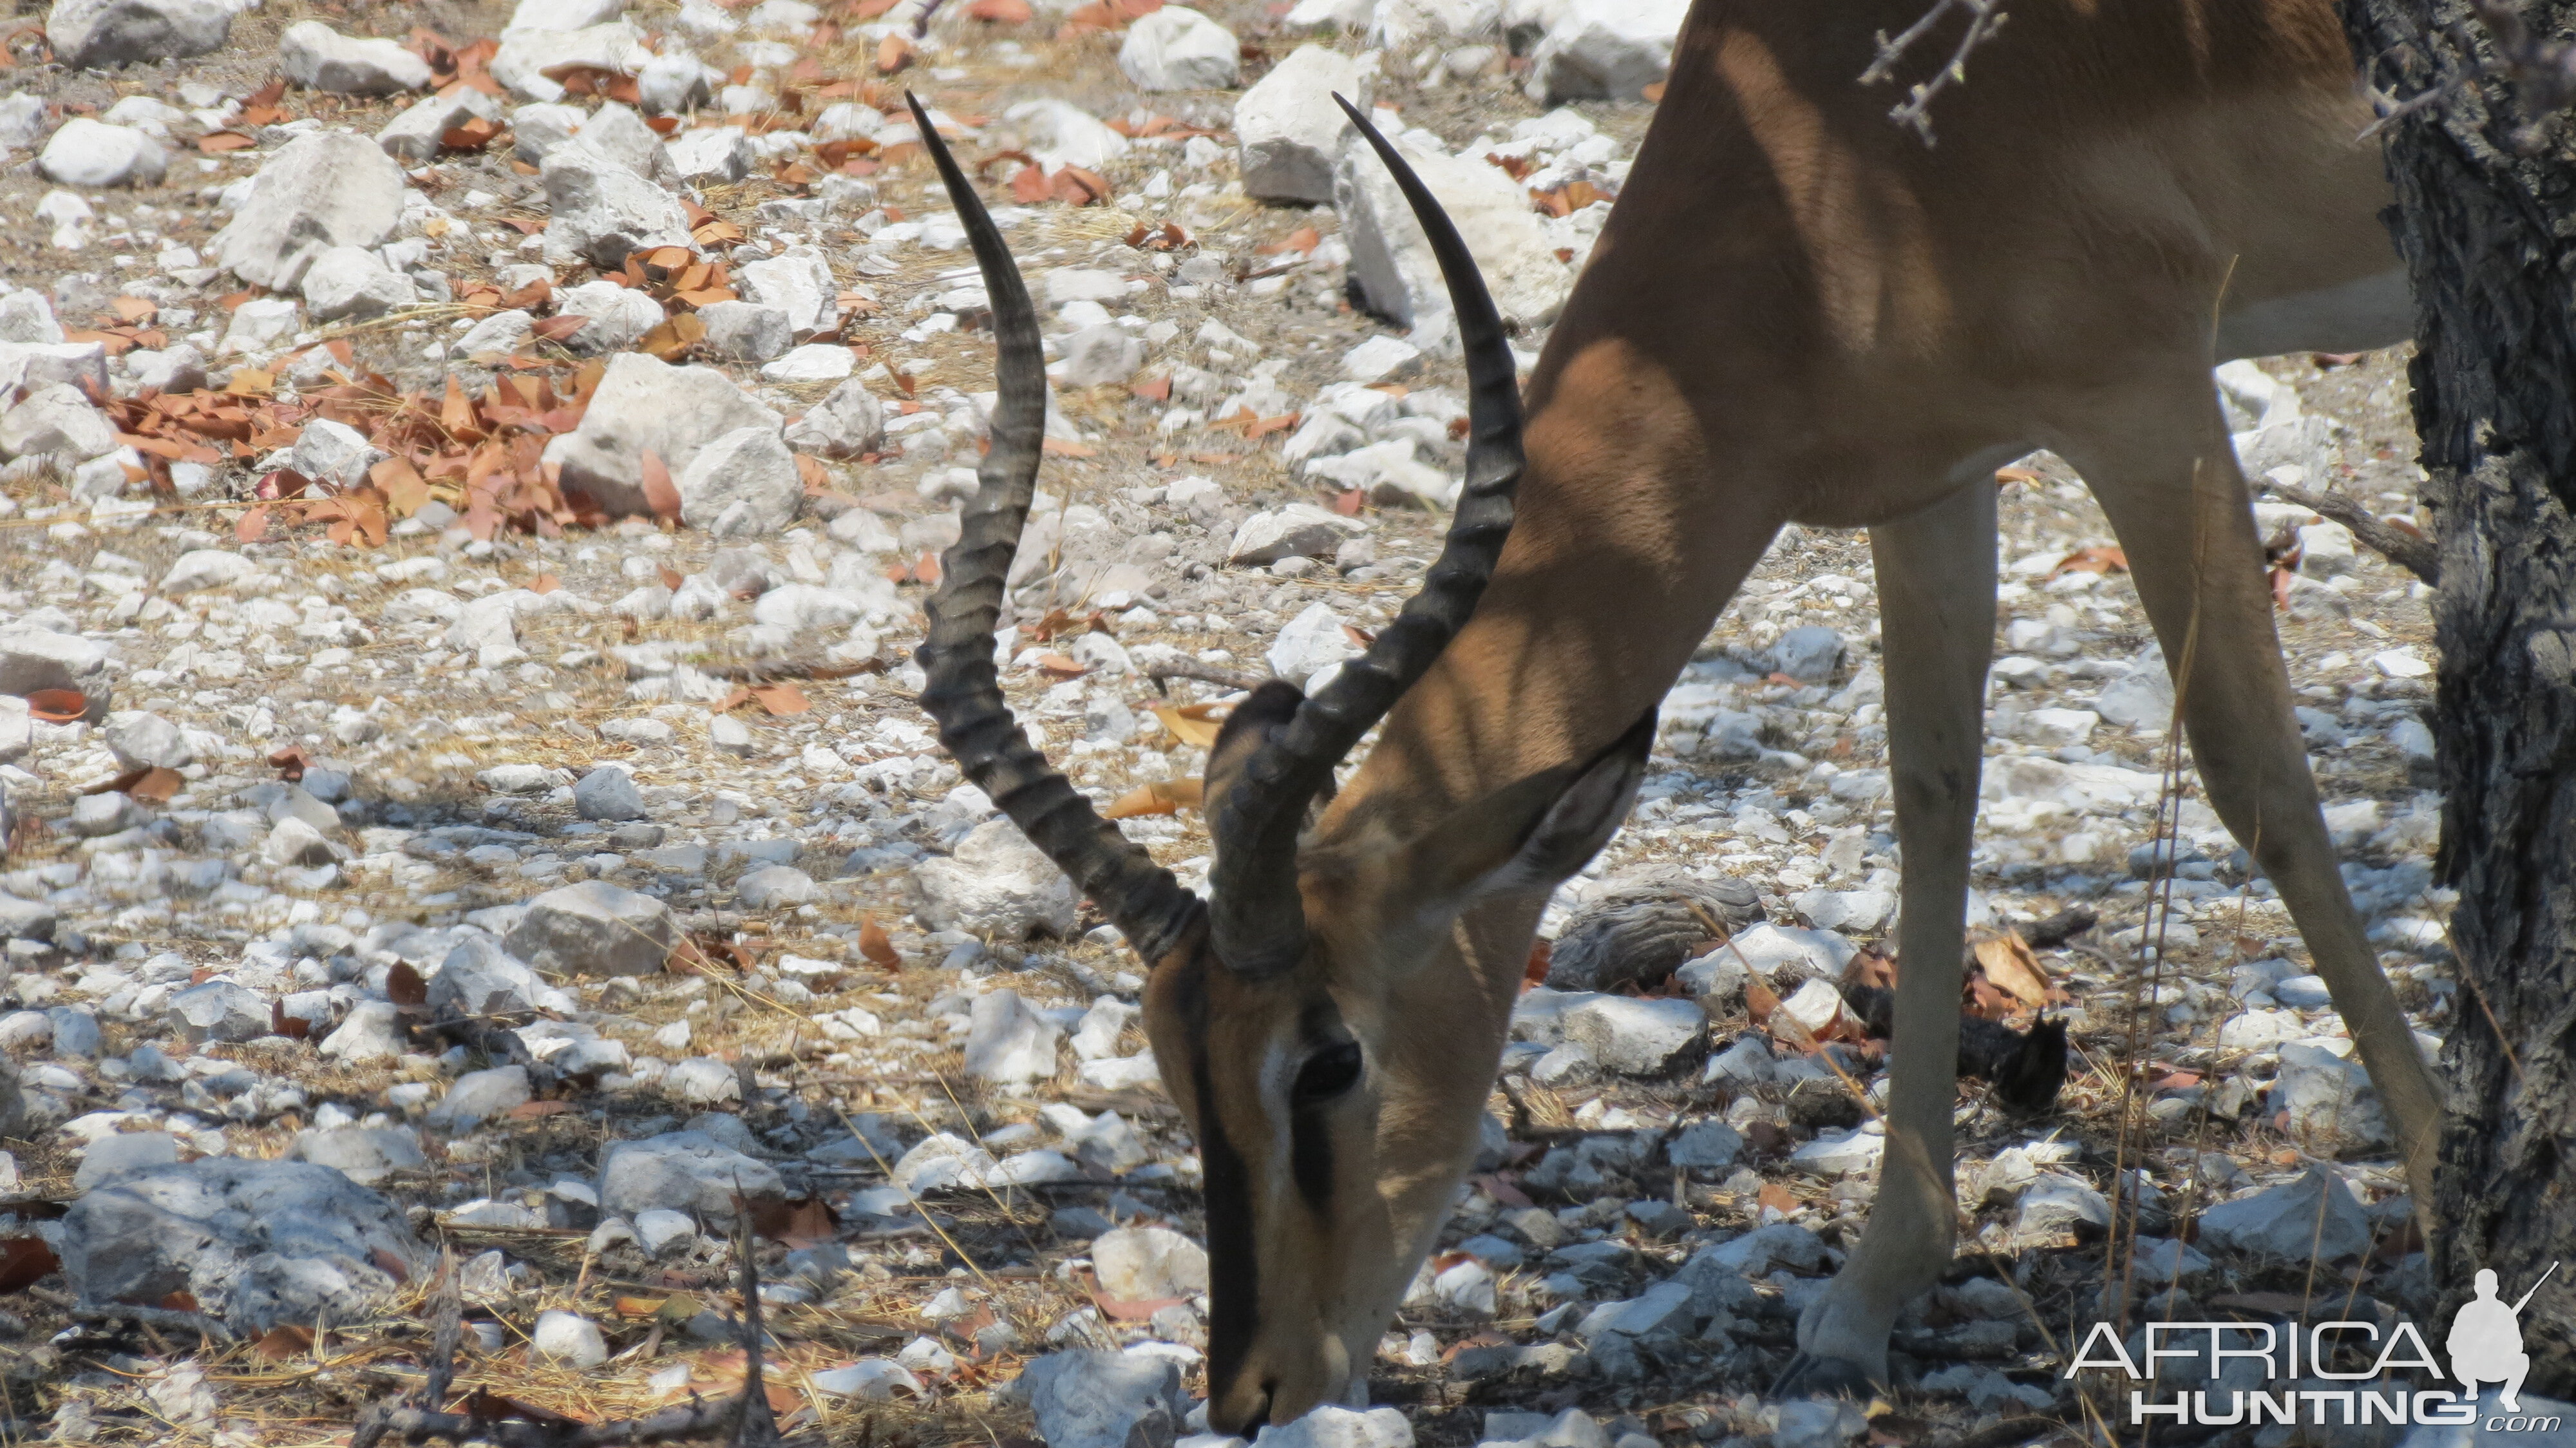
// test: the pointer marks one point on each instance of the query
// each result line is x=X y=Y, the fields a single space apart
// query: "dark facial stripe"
x=1234 y=1286
x=1234 y=1289
x=1310 y=1156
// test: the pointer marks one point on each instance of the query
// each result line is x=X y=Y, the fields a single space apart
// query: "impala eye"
x=1327 y=1074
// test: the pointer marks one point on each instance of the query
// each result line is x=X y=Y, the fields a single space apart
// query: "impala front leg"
x=1936 y=586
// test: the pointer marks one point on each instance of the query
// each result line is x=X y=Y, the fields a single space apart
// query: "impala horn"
x=962 y=687
x=1257 y=917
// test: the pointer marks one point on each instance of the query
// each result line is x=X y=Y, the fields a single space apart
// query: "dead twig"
x=2410 y=551
x=1217 y=674
x=761 y=671
x=2542 y=70
x=171 y=1318
x=1985 y=17
x=744 y=1420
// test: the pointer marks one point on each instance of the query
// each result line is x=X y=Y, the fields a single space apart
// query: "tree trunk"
x=2487 y=227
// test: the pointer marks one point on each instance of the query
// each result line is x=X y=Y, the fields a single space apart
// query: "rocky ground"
x=467 y=513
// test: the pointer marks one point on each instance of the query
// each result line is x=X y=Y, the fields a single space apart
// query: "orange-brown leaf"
x=406 y=492
x=1873 y=967
x=660 y=494
x=2008 y=961
x=404 y=987
x=157 y=785
x=1759 y=1002
x=875 y=946
x=2103 y=559
x=1191 y=723
x=781 y=698
x=58 y=706
x=1166 y=796
x=24 y=1262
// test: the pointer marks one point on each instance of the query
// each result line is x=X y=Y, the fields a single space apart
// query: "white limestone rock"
x=845 y=424
x=744 y=483
x=797 y=282
x=56 y=419
x=746 y=331
x=568 y=1338
x=615 y=317
x=1290 y=131
x=601 y=210
x=316 y=57
x=594 y=928
x=646 y=405
x=997 y=884
x=95 y=155
x=526 y=55
x=1008 y=1043
x=323 y=189
x=711 y=154
x=350 y=281
x=259 y=1244
x=91 y=34
x=1177 y=48
x=1391 y=262
x=1605 y=49
x=419 y=133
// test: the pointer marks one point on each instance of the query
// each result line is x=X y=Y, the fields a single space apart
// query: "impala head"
x=1332 y=1070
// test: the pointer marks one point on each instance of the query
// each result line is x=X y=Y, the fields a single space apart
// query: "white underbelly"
x=2355 y=317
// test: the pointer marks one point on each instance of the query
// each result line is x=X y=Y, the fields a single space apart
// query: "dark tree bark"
x=2486 y=221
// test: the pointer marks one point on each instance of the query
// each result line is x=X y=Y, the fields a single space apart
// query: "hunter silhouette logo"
x=2486 y=1341
x=2310 y=1374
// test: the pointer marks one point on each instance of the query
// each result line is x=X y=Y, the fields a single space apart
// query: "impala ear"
x=1531 y=836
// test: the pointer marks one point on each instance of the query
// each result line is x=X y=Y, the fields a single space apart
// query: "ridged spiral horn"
x=962 y=689
x=1257 y=919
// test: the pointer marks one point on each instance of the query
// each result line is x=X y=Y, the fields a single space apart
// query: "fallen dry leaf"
x=58 y=706
x=2104 y=559
x=1168 y=796
x=2007 y=961
x=404 y=987
x=660 y=494
x=24 y=1262
x=1759 y=1002
x=1195 y=724
x=875 y=946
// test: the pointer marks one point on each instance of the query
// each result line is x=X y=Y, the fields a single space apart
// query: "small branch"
x=2542 y=70
x=1223 y=678
x=1985 y=17
x=162 y=1317
x=763 y=670
x=743 y=1420
x=2412 y=552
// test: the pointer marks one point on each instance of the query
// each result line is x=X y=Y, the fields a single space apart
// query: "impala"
x=1797 y=312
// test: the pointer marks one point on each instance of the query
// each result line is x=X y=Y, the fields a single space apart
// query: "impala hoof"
x=1810 y=1376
